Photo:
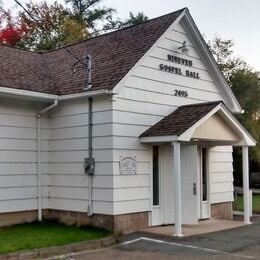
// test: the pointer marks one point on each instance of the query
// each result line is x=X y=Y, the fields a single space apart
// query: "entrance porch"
x=190 y=131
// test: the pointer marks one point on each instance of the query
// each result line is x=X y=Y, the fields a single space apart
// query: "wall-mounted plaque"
x=128 y=165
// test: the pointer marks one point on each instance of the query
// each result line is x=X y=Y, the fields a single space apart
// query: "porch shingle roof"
x=180 y=120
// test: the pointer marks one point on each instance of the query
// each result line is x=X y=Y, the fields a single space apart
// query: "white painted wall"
x=18 y=156
x=144 y=97
x=67 y=148
x=221 y=174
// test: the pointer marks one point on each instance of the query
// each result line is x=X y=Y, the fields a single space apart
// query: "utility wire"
x=79 y=60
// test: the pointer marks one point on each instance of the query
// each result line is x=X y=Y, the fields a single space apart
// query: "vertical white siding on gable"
x=68 y=146
x=146 y=96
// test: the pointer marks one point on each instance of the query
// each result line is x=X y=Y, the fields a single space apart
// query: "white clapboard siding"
x=78 y=156
x=80 y=144
x=147 y=95
x=128 y=142
x=220 y=187
x=99 y=207
x=17 y=144
x=67 y=148
x=127 y=181
x=133 y=118
x=221 y=174
x=18 y=156
x=18 y=205
x=79 y=132
x=222 y=197
x=124 y=130
x=10 y=120
x=220 y=177
x=138 y=106
x=124 y=207
x=221 y=167
x=17 y=193
x=80 y=106
x=101 y=168
x=17 y=132
x=69 y=192
x=18 y=168
x=136 y=193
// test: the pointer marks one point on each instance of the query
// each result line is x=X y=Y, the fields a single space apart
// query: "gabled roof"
x=24 y=70
x=180 y=120
x=182 y=123
x=113 y=55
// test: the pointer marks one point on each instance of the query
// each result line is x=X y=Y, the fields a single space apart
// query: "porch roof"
x=181 y=125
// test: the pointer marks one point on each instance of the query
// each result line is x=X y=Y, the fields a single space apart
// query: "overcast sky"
x=231 y=19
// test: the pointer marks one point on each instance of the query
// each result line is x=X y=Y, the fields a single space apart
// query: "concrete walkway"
x=205 y=226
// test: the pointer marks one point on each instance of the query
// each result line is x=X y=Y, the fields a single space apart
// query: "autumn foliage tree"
x=43 y=26
x=49 y=26
x=10 y=33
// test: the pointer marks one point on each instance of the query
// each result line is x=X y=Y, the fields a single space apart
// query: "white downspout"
x=39 y=170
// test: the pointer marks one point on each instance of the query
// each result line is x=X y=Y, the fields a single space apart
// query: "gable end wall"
x=144 y=97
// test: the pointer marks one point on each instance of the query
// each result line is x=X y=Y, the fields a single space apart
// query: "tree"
x=135 y=19
x=47 y=26
x=10 y=33
x=223 y=54
x=42 y=26
x=90 y=13
x=130 y=21
x=245 y=84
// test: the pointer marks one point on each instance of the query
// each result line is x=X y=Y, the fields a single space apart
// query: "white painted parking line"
x=187 y=246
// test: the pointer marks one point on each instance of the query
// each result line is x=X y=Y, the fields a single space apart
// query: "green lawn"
x=238 y=203
x=37 y=235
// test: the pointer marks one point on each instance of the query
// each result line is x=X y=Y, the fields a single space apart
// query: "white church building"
x=139 y=135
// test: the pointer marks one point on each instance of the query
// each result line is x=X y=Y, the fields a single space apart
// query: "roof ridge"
x=116 y=31
x=114 y=54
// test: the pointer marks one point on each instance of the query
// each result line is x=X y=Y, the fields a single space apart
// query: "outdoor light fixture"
x=184 y=48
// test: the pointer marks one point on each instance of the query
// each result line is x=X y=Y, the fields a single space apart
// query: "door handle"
x=194 y=188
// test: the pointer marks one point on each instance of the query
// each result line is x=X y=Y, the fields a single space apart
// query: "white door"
x=189 y=184
x=163 y=185
x=204 y=184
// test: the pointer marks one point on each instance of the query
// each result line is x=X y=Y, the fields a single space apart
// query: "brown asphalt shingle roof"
x=113 y=55
x=180 y=120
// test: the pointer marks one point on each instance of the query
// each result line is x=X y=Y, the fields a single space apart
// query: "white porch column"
x=177 y=187
x=246 y=184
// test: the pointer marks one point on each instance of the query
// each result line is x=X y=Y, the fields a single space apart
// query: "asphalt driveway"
x=238 y=243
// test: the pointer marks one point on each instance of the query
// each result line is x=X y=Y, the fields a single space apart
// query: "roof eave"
x=195 y=36
x=39 y=96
